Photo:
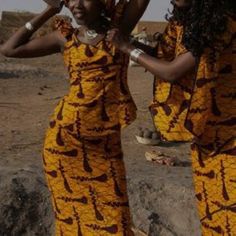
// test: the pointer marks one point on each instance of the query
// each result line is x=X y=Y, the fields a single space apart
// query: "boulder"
x=25 y=208
x=163 y=205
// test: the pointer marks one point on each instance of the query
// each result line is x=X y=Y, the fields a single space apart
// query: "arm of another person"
x=20 y=45
x=166 y=70
x=133 y=12
x=165 y=43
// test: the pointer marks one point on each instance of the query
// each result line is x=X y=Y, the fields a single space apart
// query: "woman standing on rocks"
x=82 y=153
x=200 y=39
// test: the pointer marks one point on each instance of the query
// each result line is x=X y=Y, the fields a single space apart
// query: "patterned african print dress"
x=82 y=153
x=171 y=100
x=211 y=119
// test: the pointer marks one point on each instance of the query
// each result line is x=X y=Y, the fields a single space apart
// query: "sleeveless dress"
x=211 y=118
x=171 y=100
x=203 y=107
x=82 y=154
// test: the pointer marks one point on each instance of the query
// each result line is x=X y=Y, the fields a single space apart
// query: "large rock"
x=162 y=201
x=25 y=203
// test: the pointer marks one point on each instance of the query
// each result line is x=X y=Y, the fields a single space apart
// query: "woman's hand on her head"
x=118 y=40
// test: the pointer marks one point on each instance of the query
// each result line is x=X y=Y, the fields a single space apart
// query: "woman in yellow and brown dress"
x=82 y=154
x=170 y=100
x=208 y=38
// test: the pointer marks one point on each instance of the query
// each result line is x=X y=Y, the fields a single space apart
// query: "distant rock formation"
x=11 y=21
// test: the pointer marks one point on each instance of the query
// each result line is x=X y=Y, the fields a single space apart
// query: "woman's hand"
x=119 y=41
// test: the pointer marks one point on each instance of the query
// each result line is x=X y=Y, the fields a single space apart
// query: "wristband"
x=29 y=26
x=135 y=54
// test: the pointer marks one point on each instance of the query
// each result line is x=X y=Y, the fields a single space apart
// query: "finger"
x=109 y=35
x=107 y=38
x=113 y=30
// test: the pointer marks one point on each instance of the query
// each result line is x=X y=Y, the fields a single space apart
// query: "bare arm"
x=166 y=70
x=169 y=71
x=21 y=45
x=132 y=14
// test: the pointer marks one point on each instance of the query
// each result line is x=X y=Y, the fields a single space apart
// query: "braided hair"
x=204 y=21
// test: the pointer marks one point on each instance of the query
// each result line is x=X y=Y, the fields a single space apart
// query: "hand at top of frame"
x=54 y=8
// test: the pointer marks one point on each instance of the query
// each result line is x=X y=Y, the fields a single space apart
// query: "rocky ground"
x=161 y=198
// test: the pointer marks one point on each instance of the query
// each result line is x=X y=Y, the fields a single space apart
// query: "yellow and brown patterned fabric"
x=212 y=120
x=212 y=113
x=86 y=177
x=99 y=100
x=82 y=152
x=171 y=100
x=215 y=180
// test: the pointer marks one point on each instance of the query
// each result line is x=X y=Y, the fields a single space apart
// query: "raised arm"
x=133 y=12
x=169 y=71
x=163 y=69
x=21 y=45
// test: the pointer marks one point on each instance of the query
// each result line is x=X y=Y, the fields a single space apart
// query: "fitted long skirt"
x=215 y=186
x=86 y=177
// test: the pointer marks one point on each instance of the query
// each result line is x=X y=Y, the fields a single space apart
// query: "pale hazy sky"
x=155 y=11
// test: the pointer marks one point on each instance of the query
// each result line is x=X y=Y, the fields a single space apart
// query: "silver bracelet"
x=29 y=26
x=135 y=54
